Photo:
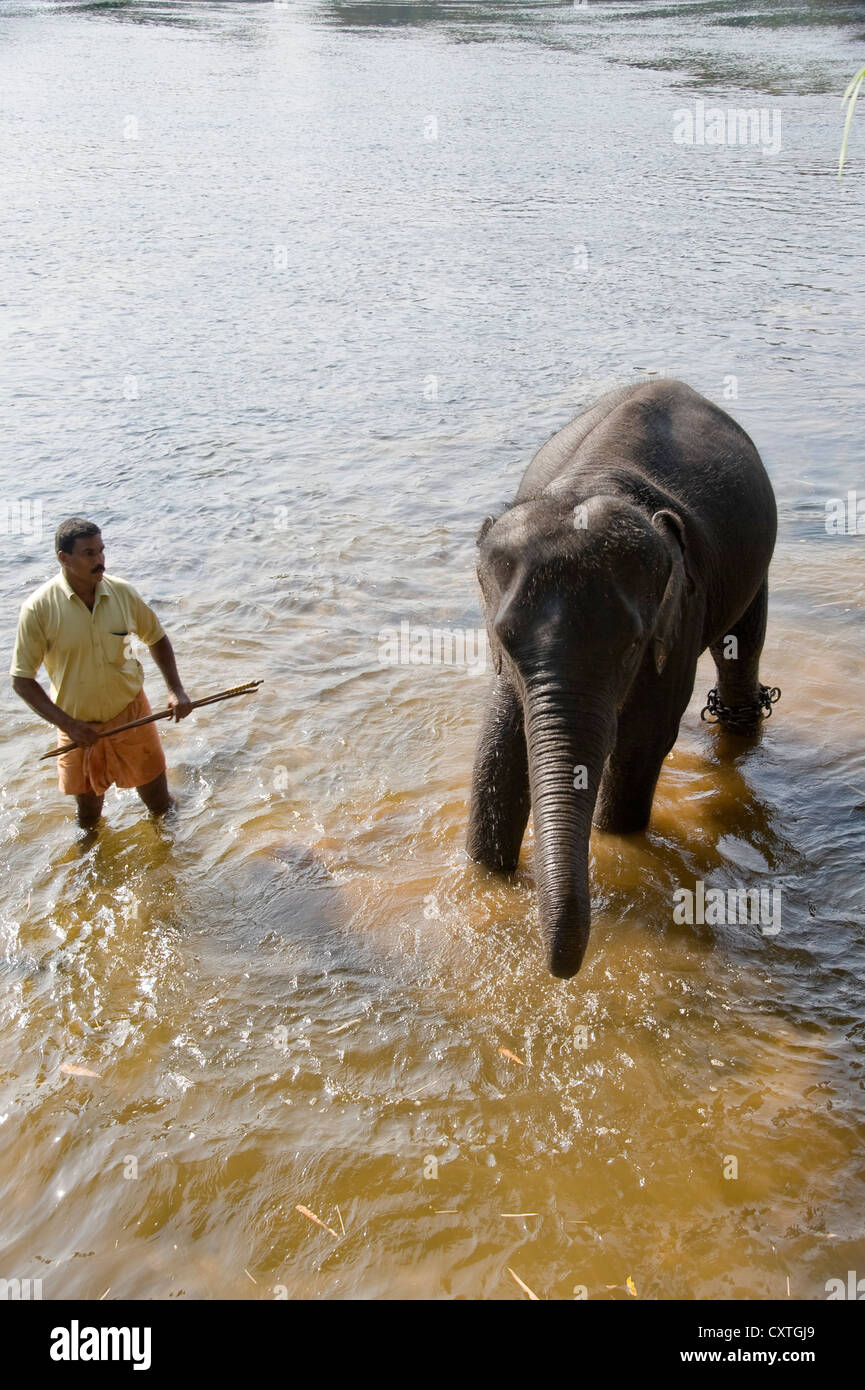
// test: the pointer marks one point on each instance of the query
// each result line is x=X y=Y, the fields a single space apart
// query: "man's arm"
x=32 y=693
x=163 y=654
x=30 y=645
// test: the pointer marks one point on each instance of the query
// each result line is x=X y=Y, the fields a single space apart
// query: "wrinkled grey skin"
x=641 y=534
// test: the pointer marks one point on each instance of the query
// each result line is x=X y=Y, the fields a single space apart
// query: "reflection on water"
x=290 y=342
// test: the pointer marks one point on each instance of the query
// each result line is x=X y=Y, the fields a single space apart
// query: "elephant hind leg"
x=501 y=800
x=737 y=661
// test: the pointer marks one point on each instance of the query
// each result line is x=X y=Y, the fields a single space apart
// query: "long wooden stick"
x=160 y=714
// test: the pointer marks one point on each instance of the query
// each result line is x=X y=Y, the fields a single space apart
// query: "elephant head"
x=580 y=602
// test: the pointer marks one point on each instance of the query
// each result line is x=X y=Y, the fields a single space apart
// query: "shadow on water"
x=387 y=15
x=771 y=14
x=557 y=24
x=130 y=12
x=284 y=892
x=702 y=64
x=776 y=14
x=564 y=25
x=285 y=897
x=174 y=14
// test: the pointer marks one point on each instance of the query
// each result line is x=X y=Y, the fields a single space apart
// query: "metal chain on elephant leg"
x=740 y=718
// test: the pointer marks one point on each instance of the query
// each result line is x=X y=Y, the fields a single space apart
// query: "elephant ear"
x=670 y=612
x=495 y=645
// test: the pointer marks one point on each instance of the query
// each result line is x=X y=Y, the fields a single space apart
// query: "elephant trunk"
x=568 y=738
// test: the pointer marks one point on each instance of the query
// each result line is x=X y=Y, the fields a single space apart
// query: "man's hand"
x=180 y=703
x=82 y=734
x=76 y=730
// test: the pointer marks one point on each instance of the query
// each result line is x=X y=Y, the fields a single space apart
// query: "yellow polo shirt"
x=87 y=655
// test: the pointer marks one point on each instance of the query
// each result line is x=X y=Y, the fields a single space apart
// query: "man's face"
x=86 y=560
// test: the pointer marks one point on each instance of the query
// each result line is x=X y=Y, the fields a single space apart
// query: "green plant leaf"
x=849 y=98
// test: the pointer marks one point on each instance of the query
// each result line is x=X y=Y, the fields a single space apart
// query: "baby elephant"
x=641 y=534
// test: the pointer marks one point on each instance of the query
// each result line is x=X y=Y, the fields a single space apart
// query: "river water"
x=292 y=294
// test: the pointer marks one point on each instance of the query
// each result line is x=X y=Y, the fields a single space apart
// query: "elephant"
x=641 y=534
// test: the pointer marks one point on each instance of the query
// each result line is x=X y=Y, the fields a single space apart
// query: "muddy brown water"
x=295 y=292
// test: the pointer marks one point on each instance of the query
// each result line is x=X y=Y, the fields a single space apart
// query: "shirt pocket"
x=117 y=644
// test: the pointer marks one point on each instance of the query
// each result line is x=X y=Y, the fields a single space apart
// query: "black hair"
x=75 y=528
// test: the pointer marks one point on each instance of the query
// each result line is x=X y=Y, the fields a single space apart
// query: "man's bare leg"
x=89 y=810
x=156 y=795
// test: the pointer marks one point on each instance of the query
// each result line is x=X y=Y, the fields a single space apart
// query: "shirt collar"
x=68 y=590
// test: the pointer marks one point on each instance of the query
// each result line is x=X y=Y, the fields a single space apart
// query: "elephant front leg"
x=501 y=800
x=627 y=788
x=648 y=727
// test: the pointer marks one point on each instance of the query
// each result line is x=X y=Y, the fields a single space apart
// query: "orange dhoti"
x=131 y=759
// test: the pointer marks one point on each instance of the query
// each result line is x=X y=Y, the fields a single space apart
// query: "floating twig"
x=311 y=1216
x=525 y=1288
x=506 y=1052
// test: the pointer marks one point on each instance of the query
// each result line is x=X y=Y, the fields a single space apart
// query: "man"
x=80 y=624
